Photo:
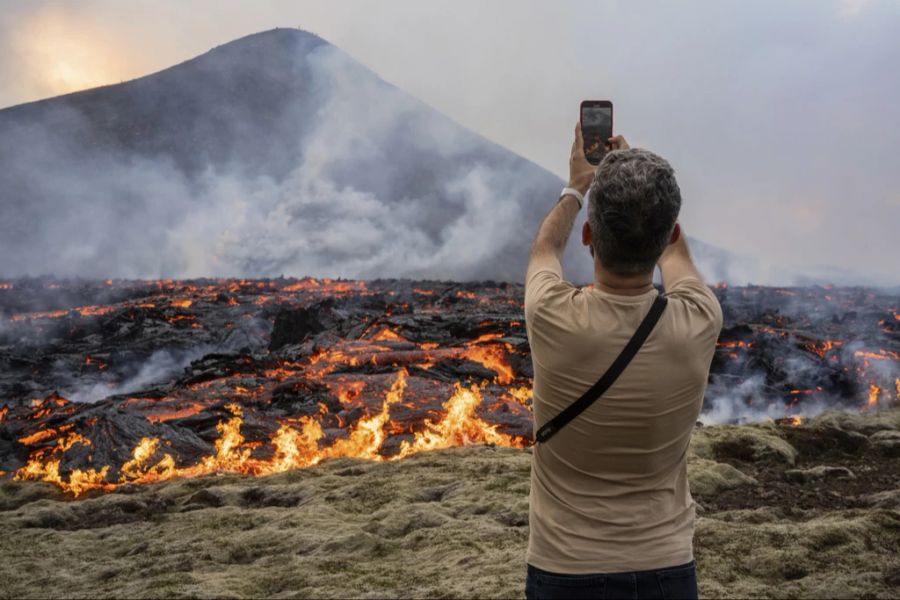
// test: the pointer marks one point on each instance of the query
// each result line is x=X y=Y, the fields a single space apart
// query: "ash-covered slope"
x=275 y=153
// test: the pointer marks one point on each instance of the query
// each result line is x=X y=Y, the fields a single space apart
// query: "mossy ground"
x=453 y=524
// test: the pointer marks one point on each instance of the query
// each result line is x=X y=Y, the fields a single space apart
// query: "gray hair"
x=632 y=208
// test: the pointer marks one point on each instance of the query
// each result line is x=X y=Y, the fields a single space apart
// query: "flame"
x=139 y=468
x=293 y=447
x=492 y=356
x=78 y=483
x=458 y=427
x=181 y=303
x=874 y=390
x=366 y=437
x=228 y=455
x=522 y=394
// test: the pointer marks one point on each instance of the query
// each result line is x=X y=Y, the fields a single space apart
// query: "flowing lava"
x=293 y=447
x=300 y=371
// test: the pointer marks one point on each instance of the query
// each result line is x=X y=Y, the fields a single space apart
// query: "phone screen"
x=596 y=129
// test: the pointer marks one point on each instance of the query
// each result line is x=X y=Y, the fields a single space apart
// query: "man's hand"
x=617 y=143
x=581 y=172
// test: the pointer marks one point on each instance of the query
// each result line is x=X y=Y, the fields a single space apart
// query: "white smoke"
x=751 y=401
x=158 y=368
x=382 y=186
x=137 y=217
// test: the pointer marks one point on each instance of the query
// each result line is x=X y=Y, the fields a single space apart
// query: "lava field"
x=111 y=383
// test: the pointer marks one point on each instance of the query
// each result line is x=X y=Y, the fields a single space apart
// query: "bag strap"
x=608 y=378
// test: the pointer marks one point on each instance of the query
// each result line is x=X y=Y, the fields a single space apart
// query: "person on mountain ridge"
x=610 y=510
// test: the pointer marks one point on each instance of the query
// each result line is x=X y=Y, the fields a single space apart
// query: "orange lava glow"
x=823 y=347
x=294 y=446
x=734 y=344
x=874 y=391
x=377 y=393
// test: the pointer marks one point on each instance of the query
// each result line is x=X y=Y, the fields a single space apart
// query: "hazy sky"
x=782 y=119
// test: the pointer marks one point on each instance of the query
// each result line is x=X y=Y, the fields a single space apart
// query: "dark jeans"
x=670 y=582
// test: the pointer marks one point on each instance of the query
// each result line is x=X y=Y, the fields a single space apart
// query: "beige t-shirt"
x=609 y=491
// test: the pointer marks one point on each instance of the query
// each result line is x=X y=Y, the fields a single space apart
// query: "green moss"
x=708 y=477
x=441 y=524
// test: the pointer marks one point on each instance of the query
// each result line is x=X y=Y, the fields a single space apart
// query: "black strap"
x=608 y=378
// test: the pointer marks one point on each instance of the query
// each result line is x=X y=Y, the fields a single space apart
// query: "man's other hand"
x=617 y=143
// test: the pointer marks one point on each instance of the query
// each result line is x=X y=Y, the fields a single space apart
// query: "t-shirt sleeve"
x=544 y=288
x=699 y=307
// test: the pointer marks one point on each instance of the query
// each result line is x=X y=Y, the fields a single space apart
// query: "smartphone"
x=596 y=128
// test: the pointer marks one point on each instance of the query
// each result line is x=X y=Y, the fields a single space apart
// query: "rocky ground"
x=808 y=511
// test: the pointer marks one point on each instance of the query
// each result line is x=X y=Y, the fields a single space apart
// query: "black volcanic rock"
x=293 y=326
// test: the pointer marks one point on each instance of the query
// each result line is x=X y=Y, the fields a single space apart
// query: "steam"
x=752 y=401
x=158 y=368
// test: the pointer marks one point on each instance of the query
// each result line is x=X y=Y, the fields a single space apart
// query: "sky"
x=781 y=119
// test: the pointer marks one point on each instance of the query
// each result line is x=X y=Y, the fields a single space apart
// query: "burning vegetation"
x=111 y=383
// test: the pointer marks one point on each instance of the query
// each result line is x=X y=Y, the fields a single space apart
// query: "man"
x=611 y=514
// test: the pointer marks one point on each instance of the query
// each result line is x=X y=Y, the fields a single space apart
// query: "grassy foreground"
x=811 y=511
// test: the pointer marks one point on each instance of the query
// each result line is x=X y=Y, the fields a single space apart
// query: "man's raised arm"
x=555 y=229
x=676 y=262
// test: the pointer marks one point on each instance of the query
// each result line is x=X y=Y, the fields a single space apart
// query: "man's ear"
x=676 y=233
x=586 y=234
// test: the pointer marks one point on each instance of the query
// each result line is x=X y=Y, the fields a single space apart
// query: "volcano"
x=276 y=153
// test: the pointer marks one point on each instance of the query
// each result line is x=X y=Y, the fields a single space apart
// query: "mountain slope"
x=275 y=153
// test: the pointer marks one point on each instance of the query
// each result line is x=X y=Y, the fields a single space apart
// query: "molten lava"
x=294 y=372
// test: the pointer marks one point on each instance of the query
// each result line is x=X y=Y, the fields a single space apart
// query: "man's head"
x=633 y=204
